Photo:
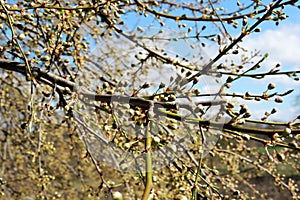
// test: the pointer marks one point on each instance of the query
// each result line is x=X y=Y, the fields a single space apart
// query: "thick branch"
x=52 y=79
x=229 y=126
x=48 y=78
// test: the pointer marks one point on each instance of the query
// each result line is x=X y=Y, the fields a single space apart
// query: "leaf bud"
x=117 y=195
x=227 y=85
x=229 y=105
x=246 y=137
x=278 y=100
x=247 y=94
x=196 y=91
x=271 y=86
x=105 y=85
x=195 y=80
x=45 y=58
x=280 y=157
x=267 y=113
x=274 y=110
x=172 y=97
x=229 y=79
x=286 y=132
x=245 y=21
x=293 y=144
x=161 y=85
x=257 y=30
x=247 y=115
x=146 y=85
x=243 y=109
x=21 y=36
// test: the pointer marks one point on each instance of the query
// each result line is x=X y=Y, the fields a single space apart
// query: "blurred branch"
x=256 y=164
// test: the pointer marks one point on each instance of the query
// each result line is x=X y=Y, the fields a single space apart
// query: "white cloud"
x=282 y=44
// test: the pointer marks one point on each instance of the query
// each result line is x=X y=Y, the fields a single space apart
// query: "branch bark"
x=49 y=78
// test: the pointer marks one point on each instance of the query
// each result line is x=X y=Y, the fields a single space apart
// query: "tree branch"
x=48 y=78
x=203 y=17
x=52 y=79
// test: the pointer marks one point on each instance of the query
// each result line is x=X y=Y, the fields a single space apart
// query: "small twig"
x=93 y=159
x=234 y=42
x=49 y=78
x=258 y=75
x=204 y=19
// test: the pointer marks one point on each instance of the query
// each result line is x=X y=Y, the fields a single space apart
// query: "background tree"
x=116 y=99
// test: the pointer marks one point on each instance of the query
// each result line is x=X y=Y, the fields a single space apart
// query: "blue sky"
x=280 y=42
